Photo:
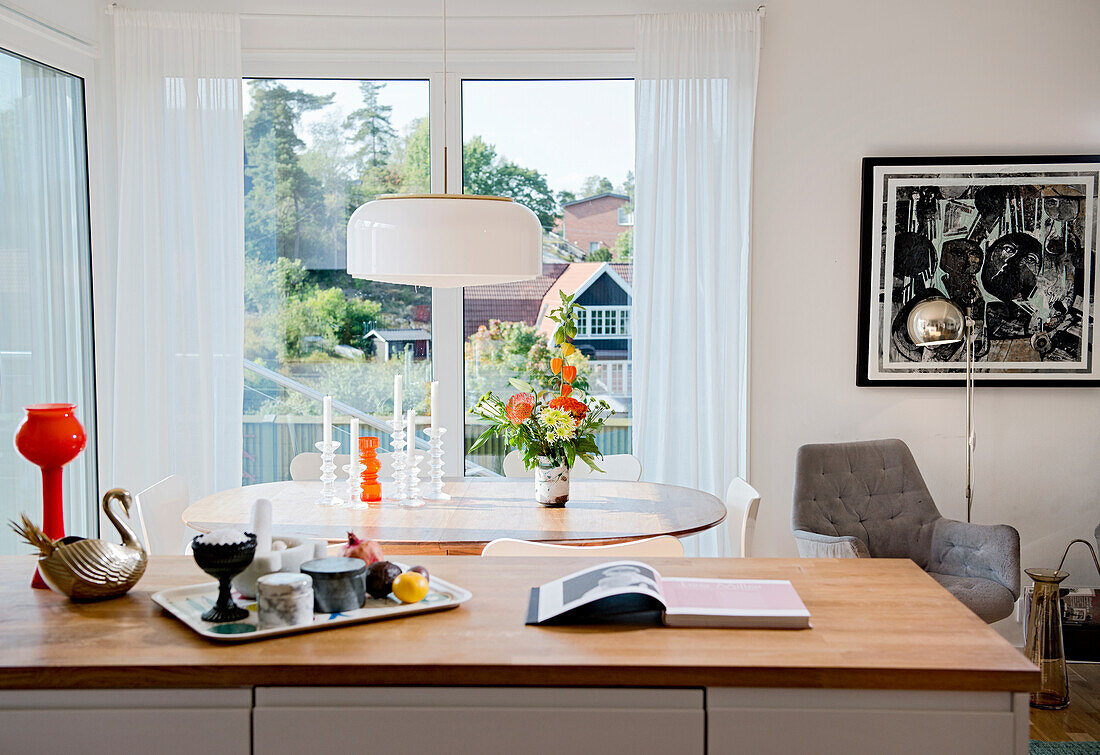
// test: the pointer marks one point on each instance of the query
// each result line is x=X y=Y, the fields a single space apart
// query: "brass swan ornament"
x=89 y=569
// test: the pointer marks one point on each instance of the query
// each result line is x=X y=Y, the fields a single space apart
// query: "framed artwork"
x=1011 y=240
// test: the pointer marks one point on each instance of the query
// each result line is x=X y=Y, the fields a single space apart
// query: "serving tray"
x=189 y=603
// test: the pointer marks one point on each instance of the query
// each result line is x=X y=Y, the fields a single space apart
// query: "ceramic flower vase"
x=50 y=436
x=551 y=483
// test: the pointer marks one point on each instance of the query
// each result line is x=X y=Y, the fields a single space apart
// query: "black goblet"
x=223 y=561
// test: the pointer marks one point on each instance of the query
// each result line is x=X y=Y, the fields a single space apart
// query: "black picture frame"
x=968 y=176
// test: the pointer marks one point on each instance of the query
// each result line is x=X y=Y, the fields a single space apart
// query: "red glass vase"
x=50 y=436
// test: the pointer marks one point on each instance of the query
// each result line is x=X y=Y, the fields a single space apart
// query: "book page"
x=732 y=597
x=596 y=583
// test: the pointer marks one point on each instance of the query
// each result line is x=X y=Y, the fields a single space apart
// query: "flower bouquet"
x=552 y=428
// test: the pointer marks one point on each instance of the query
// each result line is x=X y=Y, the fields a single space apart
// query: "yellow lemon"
x=410 y=587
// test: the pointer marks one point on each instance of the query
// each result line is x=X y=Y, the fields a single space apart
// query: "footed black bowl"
x=223 y=562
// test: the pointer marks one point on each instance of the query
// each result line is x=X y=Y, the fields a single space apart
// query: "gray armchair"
x=868 y=500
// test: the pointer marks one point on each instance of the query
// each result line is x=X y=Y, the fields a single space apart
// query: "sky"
x=567 y=130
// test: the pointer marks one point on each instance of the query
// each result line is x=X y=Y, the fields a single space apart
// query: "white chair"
x=742 y=502
x=160 y=516
x=615 y=467
x=307 y=466
x=654 y=547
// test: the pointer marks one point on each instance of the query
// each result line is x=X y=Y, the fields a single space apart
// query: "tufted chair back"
x=870 y=490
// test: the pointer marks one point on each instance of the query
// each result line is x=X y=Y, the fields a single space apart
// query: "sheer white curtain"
x=695 y=101
x=179 y=301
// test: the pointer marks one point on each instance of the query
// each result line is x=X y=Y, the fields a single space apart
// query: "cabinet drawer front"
x=490 y=720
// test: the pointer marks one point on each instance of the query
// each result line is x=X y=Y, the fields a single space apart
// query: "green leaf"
x=483 y=438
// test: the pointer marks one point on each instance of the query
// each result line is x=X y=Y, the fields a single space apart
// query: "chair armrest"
x=986 y=551
x=814 y=545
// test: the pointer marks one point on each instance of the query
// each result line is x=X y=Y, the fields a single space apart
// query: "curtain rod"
x=110 y=9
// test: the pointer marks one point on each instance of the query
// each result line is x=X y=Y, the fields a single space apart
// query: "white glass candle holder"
x=397 y=443
x=354 y=490
x=412 y=498
x=328 y=495
x=435 y=466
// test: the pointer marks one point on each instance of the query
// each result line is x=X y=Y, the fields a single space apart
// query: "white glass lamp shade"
x=936 y=321
x=444 y=240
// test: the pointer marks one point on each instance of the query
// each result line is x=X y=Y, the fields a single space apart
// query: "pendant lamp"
x=444 y=240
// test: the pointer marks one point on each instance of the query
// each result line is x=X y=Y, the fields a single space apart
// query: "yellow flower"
x=560 y=424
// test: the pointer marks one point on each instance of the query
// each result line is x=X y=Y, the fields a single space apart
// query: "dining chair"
x=160 y=516
x=742 y=503
x=307 y=466
x=654 y=547
x=615 y=467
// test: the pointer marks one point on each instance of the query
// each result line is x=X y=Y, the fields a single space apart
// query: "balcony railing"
x=272 y=440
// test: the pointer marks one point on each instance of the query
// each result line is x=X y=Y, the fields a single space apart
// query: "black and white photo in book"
x=1010 y=240
x=596 y=582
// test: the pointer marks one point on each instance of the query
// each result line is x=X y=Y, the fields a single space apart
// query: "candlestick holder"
x=398 y=443
x=412 y=498
x=435 y=466
x=352 y=498
x=328 y=495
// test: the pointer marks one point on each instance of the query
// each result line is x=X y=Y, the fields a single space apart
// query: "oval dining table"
x=599 y=512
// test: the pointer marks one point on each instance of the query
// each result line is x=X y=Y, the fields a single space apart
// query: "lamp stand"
x=969 y=411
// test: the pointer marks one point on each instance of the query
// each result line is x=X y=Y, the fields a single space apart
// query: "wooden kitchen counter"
x=877 y=624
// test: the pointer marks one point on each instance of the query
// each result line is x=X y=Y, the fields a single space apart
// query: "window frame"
x=40 y=42
x=619 y=320
x=444 y=109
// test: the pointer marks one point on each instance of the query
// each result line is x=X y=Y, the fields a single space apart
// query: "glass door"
x=45 y=282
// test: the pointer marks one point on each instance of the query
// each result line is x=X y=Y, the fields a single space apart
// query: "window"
x=314 y=151
x=575 y=172
x=45 y=281
x=604 y=322
x=626 y=215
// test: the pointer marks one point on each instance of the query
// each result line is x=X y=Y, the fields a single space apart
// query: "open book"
x=630 y=591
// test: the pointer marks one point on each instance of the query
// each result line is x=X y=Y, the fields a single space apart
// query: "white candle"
x=411 y=436
x=431 y=404
x=326 y=405
x=353 y=471
x=396 y=402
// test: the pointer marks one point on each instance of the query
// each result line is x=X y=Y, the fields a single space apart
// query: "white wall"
x=845 y=79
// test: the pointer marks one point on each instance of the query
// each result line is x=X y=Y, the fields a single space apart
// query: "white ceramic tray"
x=189 y=603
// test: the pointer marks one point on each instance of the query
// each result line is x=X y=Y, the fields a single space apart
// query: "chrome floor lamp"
x=938 y=321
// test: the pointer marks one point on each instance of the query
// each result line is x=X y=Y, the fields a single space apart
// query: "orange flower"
x=519 y=407
x=568 y=373
x=555 y=365
x=566 y=389
x=577 y=408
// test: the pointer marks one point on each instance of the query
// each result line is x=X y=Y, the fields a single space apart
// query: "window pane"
x=45 y=279
x=565 y=149
x=314 y=151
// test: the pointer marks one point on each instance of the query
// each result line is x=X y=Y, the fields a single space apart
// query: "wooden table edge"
x=235 y=676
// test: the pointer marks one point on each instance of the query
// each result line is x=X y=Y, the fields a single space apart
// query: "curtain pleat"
x=695 y=101
x=179 y=295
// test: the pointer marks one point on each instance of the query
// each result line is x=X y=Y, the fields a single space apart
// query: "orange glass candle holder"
x=369 y=487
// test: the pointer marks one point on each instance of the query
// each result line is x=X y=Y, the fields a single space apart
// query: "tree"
x=601 y=254
x=596 y=185
x=416 y=162
x=623 y=251
x=565 y=197
x=280 y=192
x=373 y=134
x=628 y=186
x=485 y=172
